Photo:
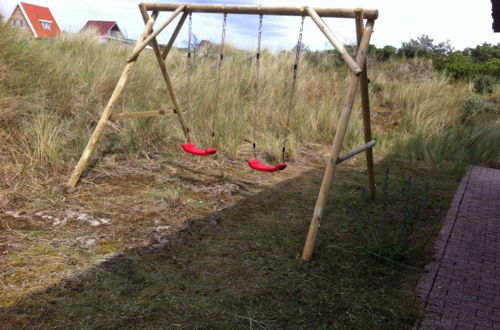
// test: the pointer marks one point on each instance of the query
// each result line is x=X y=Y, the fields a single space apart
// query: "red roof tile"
x=36 y=15
x=102 y=27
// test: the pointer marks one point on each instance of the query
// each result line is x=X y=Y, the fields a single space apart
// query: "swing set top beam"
x=264 y=10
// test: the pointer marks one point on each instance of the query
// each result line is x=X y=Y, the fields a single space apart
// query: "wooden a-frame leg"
x=338 y=141
x=365 y=104
x=168 y=82
x=82 y=163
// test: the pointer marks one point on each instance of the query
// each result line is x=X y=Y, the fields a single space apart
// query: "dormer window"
x=46 y=25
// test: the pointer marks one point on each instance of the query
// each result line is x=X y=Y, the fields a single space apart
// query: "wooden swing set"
x=150 y=12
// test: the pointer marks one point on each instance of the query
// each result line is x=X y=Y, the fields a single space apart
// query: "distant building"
x=35 y=20
x=204 y=43
x=104 y=29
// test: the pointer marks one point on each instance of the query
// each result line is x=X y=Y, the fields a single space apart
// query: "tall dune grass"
x=52 y=93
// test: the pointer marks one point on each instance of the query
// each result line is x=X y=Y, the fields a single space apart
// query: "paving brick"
x=465 y=325
x=481 y=327
x=461 y=287
x=484 y=321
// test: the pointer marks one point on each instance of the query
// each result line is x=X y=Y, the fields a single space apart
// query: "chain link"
x=257 y=72
x=190 y=34
x=189 y=65
x=291 y=104
x=217 y=89
x=223 y=39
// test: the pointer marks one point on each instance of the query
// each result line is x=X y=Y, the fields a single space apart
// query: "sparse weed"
x=43 y=140
x=171 y=195
x=397 y=229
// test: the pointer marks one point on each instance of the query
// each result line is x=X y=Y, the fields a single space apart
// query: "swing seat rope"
x=255 y=163
x=192 y=149
x=258 y=166
x=189 y=147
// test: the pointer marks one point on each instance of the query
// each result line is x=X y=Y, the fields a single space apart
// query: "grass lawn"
x=170 y=244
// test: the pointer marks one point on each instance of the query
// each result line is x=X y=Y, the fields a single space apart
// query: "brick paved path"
x=461 y=289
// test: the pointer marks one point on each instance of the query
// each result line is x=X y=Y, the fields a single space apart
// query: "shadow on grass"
x=238 y=268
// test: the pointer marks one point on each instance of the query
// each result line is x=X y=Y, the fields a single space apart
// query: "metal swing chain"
x=223 y=38
x=291 y=99
x=189 y=65
x=257 y=71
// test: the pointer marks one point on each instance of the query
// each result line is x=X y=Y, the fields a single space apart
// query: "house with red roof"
x=35 y=20
x=104 y=29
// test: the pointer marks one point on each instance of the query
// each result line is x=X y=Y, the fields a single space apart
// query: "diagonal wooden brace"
x=333 y=40
x=174 y=35
x=153 y=35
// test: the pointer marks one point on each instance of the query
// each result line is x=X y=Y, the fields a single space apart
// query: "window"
x=18 y=22
x=46 y=25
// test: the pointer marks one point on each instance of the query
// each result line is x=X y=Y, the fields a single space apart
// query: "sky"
x=463 y=23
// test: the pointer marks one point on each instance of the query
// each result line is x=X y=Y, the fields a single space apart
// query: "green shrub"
x=483 y=52
x=459 y=66
x=456 y=65
x=476 y=109
x=472 y=62
x=424 y=46
x=382 y=54
x=386 y=53
x=485 y=84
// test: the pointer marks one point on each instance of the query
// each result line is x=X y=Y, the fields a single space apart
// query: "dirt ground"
x=55 y=231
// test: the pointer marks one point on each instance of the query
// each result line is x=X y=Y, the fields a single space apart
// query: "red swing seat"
x=191 y=149
x=258 y=166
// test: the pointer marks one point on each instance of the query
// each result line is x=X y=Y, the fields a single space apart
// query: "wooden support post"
x=153 y=35
x=174 y=35
x=365 y=105
x=338 y=141
x=365 y=42
x=168 y=82
x=82 y=163
x=333 y=40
